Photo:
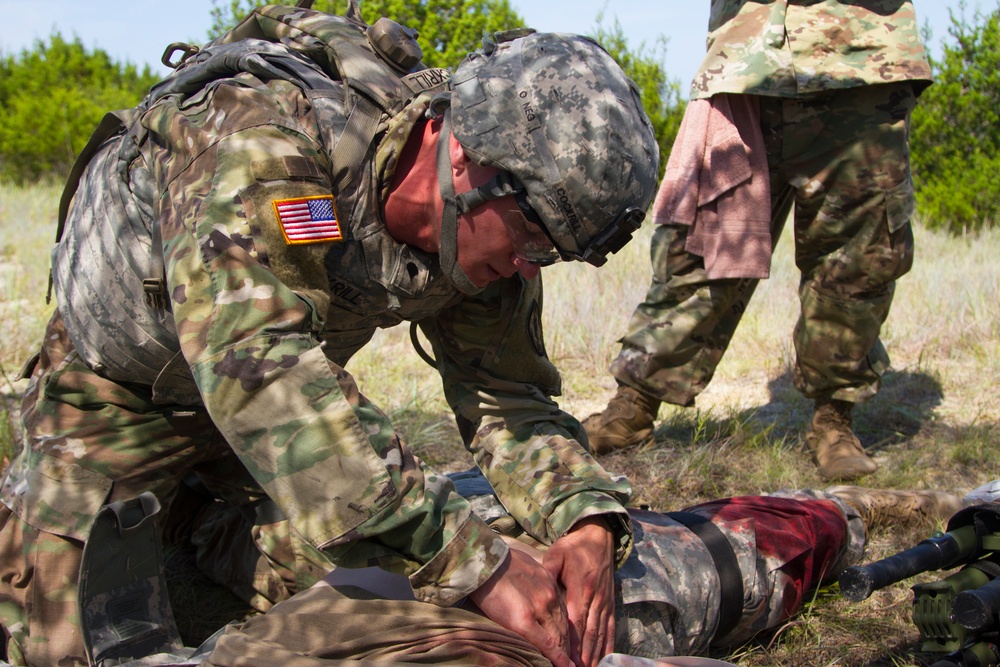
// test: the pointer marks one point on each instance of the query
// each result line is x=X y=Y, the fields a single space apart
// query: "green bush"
x=956 y=130
x=51 y=99
x=53 y=95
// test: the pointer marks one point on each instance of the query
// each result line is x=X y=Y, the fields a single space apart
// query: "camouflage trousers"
x=785 y=545
x=668 y=596
x=842 y=159
x=90 y=441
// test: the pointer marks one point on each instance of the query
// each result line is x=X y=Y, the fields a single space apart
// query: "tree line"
x=54 y=94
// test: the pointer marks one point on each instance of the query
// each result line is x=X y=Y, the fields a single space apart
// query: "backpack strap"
x=362 y=125
x=113 y=123
x=376 y=85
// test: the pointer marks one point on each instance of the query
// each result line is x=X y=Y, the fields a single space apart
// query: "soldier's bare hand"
x=523 y=597
x=582 y=561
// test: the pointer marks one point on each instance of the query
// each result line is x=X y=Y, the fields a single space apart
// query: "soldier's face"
x=486 y=250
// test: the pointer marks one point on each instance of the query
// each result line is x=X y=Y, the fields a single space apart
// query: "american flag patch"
x=308 y=219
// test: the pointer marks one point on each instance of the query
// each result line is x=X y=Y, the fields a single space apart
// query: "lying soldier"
x=700 y=580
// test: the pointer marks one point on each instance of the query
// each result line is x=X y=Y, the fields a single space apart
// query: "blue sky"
x=138 y=30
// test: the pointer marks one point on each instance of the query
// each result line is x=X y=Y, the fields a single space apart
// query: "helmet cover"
x=558 y=113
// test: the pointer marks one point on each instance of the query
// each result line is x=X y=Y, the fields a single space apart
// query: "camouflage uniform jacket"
x=265 y=324
x=789 y=48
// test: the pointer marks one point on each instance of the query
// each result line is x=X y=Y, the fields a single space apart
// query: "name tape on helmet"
x=565 y=205
x=528 y=110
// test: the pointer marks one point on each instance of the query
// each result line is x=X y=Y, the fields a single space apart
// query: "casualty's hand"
x=583 y=562
x=523 y=597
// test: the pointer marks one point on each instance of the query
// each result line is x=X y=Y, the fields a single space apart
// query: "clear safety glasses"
x=531 y=242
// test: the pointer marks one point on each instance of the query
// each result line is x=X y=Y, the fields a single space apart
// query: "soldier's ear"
x=459 y=159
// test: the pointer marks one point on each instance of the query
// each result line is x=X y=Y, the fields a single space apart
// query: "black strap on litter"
x=730 y=576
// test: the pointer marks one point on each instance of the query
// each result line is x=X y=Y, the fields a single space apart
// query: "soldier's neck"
x=413 y=206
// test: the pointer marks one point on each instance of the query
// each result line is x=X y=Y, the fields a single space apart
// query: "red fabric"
x=805 y=536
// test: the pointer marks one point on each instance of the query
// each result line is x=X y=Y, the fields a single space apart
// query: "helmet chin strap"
x=448 y=248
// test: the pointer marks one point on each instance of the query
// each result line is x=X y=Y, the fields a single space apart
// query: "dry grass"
x=936 y=423
x=27 y=230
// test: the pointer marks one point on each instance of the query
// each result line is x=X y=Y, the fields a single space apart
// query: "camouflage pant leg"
x=38 y=603
x=677 y=336
x=846 y=155
x=671 y=590
x=329 y=627
x=802 y=540
x=844 y=158
x=88 y=441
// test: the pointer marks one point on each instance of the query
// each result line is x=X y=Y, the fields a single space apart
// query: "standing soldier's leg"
x=676 y=336
x=849 y=153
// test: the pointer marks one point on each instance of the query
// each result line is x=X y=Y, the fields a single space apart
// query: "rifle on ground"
x=956 y=615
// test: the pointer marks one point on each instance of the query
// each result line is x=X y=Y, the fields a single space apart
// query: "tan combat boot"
x=627 y=421
x=880 y=507
x=835 y=449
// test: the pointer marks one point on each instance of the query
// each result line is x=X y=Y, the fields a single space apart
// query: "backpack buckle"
x=155 y=292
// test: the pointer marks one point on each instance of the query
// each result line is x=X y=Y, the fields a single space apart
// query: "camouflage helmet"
x=558 y=114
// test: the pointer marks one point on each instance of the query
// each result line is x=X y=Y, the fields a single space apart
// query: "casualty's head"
x=565 y=127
